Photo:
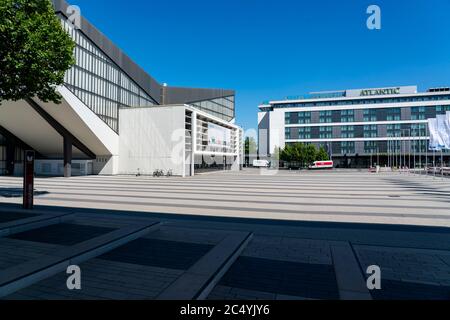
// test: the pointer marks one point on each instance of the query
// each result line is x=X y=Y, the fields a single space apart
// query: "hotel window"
x=442 y=109
x=371 y=147
x=287 y=133
x=325 y=116
x=419 y=146
x=347 y=147
x=419 y=129
x=394 y=130
x=347 y=116
x=326 y=132
x=304 y=133
x=287 y=118
x=370 y=115
x=418 y=113
x=347 y=132
x=370 y=131
x=304 y=117
x=394 y=114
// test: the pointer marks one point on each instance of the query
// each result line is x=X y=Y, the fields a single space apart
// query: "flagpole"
x=414 y=148
x=427 y=145
x=434 y=163
x=388 y=154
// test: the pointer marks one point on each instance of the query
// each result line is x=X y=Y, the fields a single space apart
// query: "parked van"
x=261 y=163
x=318 y=165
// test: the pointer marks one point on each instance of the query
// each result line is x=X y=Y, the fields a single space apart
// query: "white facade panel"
x=152 y=139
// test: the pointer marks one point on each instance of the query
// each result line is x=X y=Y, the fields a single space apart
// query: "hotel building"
x=359 y=127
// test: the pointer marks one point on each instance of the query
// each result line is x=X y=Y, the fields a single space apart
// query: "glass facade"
x=326 y=132
x=348 y=115
x=347 y=132
x=394 y=114
x=371 y=131
x=442 y=109
x=326 y=116
x=371 y=147
x=418 y=113
x=297 y=117
x=347 y=147
x=287 y=133
x=304 y=133
x=370 y=115
x=394 y=130
x=97 y=81
x=222 y=108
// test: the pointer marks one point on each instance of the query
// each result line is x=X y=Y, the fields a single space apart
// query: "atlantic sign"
x=380 y=92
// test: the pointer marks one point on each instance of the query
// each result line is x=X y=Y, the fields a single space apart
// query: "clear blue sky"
x=270 y=49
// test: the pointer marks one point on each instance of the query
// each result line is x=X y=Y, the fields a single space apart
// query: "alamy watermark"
x=374 y=279
x=74 y=280
x=374 y=20
x=74 y=16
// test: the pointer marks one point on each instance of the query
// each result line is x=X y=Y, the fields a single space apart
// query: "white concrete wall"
x=271 y=131
x=151 y=139
x=276 y=133
x=263 y=133
x=106 y=165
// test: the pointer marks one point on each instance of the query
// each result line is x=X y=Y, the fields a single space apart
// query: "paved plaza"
x=250 y=235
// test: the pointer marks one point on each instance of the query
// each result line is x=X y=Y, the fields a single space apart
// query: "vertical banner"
x=442 y=131
x=28 y=179
x=436 y=142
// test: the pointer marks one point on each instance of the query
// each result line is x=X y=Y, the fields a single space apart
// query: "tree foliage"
x=303 y=154
x=322 y=154
x=250 y=146
x=35 y=51
x=250 y=150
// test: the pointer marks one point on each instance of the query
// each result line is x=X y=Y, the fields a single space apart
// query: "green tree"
x=322 y=155
x=310 y=154
x=286 y=154
x=299 y=153
x=250 y=149
x=35 y=51
x=305 y=154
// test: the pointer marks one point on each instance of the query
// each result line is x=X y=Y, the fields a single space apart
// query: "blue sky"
x=270 y=49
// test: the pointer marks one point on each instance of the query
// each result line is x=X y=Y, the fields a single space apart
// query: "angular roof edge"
x=132 y=69
x=175 y=95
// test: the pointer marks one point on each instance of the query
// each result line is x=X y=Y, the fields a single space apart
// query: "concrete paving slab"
x=202 y=277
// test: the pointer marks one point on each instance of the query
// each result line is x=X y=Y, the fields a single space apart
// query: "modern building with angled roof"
x=117 y=119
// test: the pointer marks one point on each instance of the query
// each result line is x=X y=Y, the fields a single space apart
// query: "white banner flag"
x=447 y=124
x=436 y=142
x=442 y=131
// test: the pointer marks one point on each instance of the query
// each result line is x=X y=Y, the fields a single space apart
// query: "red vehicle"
x=318 y=165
